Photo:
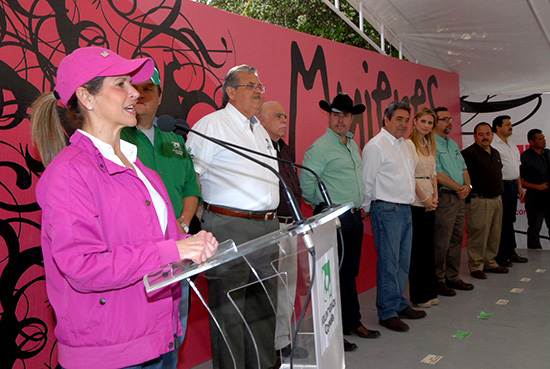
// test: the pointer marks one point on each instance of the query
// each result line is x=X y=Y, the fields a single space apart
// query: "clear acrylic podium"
x=321 y=331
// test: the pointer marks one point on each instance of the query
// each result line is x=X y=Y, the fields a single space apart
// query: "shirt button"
x=147 y=202
x=171 y=345
x=102 y=302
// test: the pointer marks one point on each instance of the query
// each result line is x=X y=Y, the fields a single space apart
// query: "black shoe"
x=299 y=352
x=518 y=259
x=505 y=263
x=478 y=274
x=363 y=332
x=410 y=313
x=394 y=324
x=460 y=285
x=349 y=346
x=443 y=290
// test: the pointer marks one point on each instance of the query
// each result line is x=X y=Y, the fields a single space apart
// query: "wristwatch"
x=185 y=227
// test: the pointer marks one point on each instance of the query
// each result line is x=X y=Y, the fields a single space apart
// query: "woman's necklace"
x=423 y=144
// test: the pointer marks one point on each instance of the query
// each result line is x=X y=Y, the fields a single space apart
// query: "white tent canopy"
x=495 y=46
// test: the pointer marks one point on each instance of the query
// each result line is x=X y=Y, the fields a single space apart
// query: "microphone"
x=168 y=124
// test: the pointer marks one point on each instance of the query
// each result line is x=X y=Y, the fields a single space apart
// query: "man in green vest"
x=165 y=153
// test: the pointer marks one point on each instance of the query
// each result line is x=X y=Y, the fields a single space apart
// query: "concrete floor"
x=516 y=336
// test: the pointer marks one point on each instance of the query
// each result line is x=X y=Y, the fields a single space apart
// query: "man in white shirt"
x=240 y=202
x=388 y=177
x=509 y=155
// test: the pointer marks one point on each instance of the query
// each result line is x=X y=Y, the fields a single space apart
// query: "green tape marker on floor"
x=484 y=315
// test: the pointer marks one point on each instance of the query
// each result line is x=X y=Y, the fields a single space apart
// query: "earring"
x=90 y=108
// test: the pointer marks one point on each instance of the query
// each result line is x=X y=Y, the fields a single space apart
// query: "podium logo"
x=327 y=280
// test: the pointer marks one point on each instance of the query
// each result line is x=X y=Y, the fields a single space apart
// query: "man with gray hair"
x=240 y=202
x=389 y=188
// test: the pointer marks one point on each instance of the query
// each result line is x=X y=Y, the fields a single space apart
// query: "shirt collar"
x=240 y=117
x=128 y=150
x=497 y=139
x=394 y=141
x=349 y=135
x=441 y=139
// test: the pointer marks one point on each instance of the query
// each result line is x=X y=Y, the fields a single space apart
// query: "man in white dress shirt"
x=388 y=177
x=240 y=202
x=509 y=155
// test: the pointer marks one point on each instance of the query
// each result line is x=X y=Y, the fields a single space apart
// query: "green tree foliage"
x=313 y=17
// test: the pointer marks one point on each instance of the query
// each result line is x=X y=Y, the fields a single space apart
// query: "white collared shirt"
x=509 y=155
x=130 y=152
x=226 y=178
x=388 y=170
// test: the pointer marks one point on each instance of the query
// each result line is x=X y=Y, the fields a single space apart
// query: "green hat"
x=156 y=77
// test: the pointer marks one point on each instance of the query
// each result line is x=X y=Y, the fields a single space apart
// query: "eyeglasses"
x=252 y=86
x=446 y=119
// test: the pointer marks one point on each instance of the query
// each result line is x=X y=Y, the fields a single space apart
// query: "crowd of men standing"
x=241 y=200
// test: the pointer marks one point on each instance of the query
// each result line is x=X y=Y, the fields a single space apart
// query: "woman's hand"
x=430 y=204
x=197 y=248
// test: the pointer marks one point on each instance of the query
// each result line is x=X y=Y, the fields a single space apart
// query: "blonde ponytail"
x=47 y=130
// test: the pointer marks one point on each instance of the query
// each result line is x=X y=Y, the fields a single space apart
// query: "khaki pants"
x=449 y=229
x=483 y=225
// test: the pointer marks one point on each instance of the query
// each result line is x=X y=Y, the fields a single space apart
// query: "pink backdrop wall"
x=194 y=46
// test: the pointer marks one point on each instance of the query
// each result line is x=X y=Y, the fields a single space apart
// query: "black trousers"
x=352 y=231
x=507 y=247
x=537 y=205
x=422 y=278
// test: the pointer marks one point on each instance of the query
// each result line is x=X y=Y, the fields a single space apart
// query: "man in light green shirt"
x=336 y=158
x=454 y=182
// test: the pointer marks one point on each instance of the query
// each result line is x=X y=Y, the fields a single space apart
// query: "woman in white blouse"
x=421 y=142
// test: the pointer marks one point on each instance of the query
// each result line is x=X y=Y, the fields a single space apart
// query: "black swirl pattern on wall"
x=489 y=105
x=34 y=37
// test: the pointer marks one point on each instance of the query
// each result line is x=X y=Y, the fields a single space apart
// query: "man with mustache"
x=389 y=187
x=535 y=176
x=240 y=202
x=454 y=186
x=484 y=204
x=274 y=119
x=513 y=189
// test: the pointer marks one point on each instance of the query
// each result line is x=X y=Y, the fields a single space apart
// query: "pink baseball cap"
x=87 y=63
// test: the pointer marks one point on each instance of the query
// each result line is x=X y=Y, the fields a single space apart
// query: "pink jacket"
x=100 y=236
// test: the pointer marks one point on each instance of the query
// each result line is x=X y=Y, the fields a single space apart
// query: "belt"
x=510 y=181
x=423 y=177
x=444 y=190
x=285 y=220
x=265 y=215
x=478 y=196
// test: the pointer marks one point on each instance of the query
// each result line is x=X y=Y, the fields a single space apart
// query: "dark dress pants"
x=537 y=206
x=422 y=278
x=507 y=247
x=352 y=231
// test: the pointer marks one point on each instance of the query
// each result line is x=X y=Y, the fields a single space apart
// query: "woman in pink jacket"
x=106 y=220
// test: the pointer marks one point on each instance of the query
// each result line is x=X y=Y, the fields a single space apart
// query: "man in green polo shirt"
x=454 y=183
x=335 y=157
x=165 y=153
